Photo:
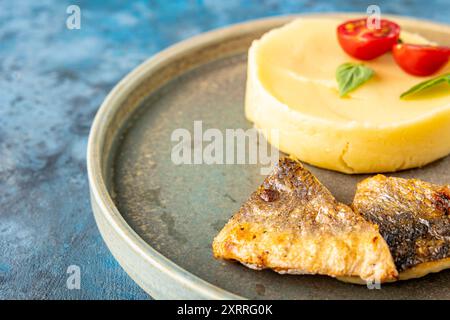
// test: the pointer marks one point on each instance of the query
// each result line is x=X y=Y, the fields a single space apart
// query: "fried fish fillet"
x=413 y=217
x=292 y=224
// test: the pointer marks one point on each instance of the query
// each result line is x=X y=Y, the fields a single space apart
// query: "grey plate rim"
x=156 y=274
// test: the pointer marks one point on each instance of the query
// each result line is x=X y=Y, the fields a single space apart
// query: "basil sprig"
x=350 y=76
x=427 y=84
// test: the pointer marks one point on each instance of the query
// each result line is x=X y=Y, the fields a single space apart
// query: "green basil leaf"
x=427 y=84
x=350 y=76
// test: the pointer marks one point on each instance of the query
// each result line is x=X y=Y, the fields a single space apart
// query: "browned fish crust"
x=412 y=215
x=292 y=224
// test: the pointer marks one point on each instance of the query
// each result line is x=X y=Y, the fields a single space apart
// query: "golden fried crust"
x=417 y=271
x=292 y=224
x=413 y=217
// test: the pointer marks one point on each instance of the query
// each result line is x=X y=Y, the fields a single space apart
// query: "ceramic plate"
x=159 y=219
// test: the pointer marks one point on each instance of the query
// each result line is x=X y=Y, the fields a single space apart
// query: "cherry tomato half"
x=364 y=43
x=420 y=60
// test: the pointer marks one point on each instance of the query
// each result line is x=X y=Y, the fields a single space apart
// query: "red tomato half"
x=420 y=60
x=364 y=43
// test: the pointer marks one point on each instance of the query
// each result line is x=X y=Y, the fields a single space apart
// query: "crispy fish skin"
x=413 y=217
x=292 y=224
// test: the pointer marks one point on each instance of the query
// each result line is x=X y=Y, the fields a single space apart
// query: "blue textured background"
x=52 y=81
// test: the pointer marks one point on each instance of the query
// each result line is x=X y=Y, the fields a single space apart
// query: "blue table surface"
x=52 y=82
